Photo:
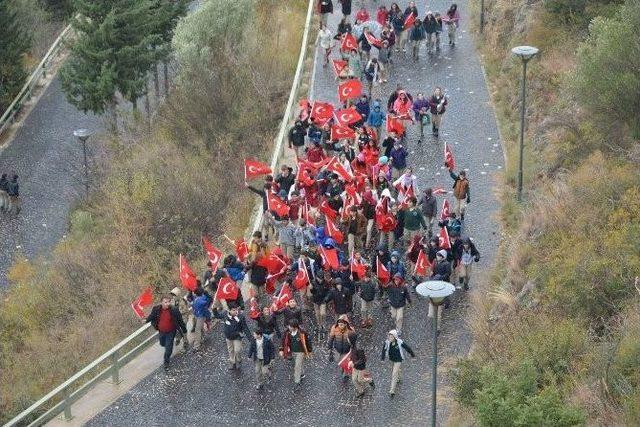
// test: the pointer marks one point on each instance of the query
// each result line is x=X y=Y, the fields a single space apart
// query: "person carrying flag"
x=394 y=350
x=297 y=346
x=359 y=376
x=342 y=338
x=461 y=192
x=167 y=320
x=234 y=329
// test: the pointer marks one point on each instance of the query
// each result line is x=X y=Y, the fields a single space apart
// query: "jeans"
x=166 y=341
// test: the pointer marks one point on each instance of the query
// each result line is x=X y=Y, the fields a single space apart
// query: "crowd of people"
x=10 y=195
x=347 y=229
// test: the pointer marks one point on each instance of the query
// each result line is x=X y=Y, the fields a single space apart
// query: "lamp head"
x=435 y=290
x=82 y=134
x=525 y=52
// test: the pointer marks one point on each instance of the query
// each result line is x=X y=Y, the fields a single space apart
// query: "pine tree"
x=14 y=43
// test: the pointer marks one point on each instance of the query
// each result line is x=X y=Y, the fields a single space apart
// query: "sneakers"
x=165 y=365
x=372 y=384
x=232 y=366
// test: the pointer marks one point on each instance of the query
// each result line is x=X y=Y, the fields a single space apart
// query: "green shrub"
x=607 y=79
x=567 y=11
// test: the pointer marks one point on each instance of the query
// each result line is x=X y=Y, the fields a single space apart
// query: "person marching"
x=437 y=104
x=262 y=352
x=359 y=376
x=452 y=19
x=394 y=350
x=167 y=320
x=342 y=338
x=461 y=192
x=399 y=297
x=234 y=328
x=297 y=346
x=367 y=294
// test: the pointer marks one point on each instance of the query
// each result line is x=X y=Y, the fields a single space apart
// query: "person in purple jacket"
x=421 y=109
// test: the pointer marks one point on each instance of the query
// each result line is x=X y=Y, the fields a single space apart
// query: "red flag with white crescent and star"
x=145 y=299
x=302 y=276
x=344 y=364
x=449 y=161
x=446 y=210
x=338 y=66
x=321 y=112
x=277 y=205
x=349 y=42
x=342 y=132
x=214 y=254
x=329 y=258
x=187 y=277
x=422 y=264
x=333 y=231
x=350 y=89
x=382 y=272
x=254 y=168
x=347 y=116
x=443 y=239
x=227 y=290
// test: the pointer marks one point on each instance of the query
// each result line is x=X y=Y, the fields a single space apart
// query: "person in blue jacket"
x=376 y=118
x=200 y=306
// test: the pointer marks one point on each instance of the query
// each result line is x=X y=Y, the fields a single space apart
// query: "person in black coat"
x=268 y=323
x=262 y=352
x=367 y=294
x=167 y=320
x=297 y=135
x=346 y=7
x=325 y=7
x=321 y=286
x=442 y=269
x=341 y=298
x=234 y=329
x=465 y=254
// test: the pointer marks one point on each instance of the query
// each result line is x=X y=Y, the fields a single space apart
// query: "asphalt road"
x=199 y=390
x=45 y=155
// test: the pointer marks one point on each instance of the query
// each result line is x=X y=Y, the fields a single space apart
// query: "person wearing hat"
x=167 y=320
x=461 y=192
x=234 y=329
x=297 y=135
x=442 y=269
x=394 y=350
x=296 y=345
x=342 y=338
x=399 y=297
x=465 y=253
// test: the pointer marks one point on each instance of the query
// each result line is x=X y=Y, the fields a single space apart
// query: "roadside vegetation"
x=27 y=29
x=159 y=190
x=557 y=332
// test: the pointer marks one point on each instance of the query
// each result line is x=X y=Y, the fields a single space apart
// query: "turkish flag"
x=254 y=309
x=438 y=191
x=342 y=132
x=321 y=112
x=227 y=290
x=333 y=231
x=373 y=41
x=326 y=209
x=348 y=116
x=443 y=239
x=338 y=66
x=254 y=168
x=145 y=299
x=303 y=176
x=344 y=364
x=306 y=214
x=329 y=258
x=313 y=166
x=273 y=263
x=446 y=209
x=358 y=267
x=280 y=301
x=382 y=272
x=449 y=161
x=349 y=42
x=187 y=276
x=386 y=222
x=350 y=89
x=335 y=166
x=394 y=124
x=214 y=254
x=302 y=276
x=422 y=264
x=304 y=110
x=277 y=205
x=409 y=21
x=242 y=249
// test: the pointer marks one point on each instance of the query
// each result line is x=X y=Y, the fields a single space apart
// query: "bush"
x=567 y=11
x=607 y=79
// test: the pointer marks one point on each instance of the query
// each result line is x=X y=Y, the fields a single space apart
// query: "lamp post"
x=436 y=291
x=83 y=135
x=525 y=53
x=481 y=16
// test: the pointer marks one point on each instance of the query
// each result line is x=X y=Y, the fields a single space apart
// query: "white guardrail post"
x=25 y=93
x=67 y=390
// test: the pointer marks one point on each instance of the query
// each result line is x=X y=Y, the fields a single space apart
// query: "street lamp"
x=525 y=53
x=481 y=16
x=83 y=135
x=436 y=291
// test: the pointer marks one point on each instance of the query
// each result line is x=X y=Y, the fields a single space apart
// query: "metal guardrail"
x=110 y=363
x=288 y=112
x=25 y=93
x=115 y=359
